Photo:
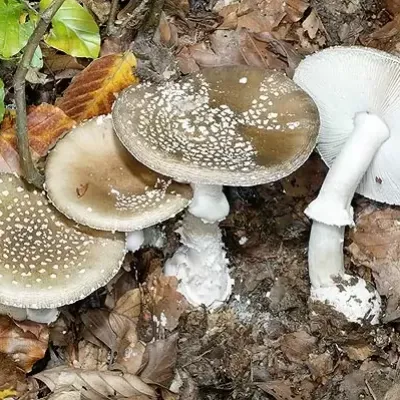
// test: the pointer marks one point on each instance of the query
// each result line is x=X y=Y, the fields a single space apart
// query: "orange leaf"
x=46 y=123
x=92 y=92
x=26 y=342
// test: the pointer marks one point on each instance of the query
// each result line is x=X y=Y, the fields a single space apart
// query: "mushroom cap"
x=94 y=180
x=344 y=81
x=46 y=261
x=233 y=125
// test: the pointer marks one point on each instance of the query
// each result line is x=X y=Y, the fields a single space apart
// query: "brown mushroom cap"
x=234 y=125
x=46 y=261
x=94 y=180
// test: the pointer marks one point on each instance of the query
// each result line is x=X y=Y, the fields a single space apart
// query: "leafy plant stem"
x=30 y=172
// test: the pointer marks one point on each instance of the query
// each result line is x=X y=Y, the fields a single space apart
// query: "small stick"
x=30 y=172
x=112 y=17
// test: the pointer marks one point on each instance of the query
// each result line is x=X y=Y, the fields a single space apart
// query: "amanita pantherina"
x=357 y=93
x=238 y=126
x=94 y=180
x=46 y=260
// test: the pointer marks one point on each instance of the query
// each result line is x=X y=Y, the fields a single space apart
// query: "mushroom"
x=92 y=179
x=357 y=93
x=47 y=261
x=236 y=125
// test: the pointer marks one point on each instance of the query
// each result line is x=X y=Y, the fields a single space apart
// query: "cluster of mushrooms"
x=173 y=146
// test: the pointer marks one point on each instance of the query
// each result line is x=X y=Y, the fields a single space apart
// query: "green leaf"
x=74 y=30
x=1 y=100
x=14 y=28
x=37 y=59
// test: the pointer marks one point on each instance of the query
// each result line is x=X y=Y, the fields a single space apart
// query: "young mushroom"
x=238 y=126
x=357 y=93
x=94 y=180
x=46 y=260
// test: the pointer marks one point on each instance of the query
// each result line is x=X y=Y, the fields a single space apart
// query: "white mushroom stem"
x=333 y=204
x=200 y=264
x=209 y=203
x=134 y=240
x=332 y=210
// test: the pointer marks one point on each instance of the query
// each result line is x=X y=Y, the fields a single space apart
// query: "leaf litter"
x=138 y=338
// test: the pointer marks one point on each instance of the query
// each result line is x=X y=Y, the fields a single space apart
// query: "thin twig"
x=31 y=174
x=371 y=392
x=112 y=17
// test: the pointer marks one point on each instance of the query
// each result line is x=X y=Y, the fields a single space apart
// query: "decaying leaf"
x=46 y=124
x=65 y=395
x=95 y=385
x=358 y=351
x=92 y=92
x=129 y=304
x=55 y=62
x=161 y=359
x=11 y=376
x=280 y=390
x=25 y=342
x=297 y=346
x=376 y=244
x=163 y=300
x=312 y=24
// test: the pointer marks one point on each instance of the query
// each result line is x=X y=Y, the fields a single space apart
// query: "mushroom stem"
x=325 y=254
x=333 y=204
x=134 y=240
x=209 y=203
x=200 y=264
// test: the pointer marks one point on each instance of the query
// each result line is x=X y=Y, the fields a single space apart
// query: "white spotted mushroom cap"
x=46 y=261
x=94 y=180
x=235 y=125
x=344 y=81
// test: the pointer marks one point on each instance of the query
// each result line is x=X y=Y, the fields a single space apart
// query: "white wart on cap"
x=94 y=180
x=344 y=81
x=234 y=125
x=46 y=261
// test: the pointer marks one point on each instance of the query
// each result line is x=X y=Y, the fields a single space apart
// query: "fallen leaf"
x=161 y=360
x=65 y=395
x=95 y=384
x=376 y=245
x=91 y=356
x=297 y=346
x=312 y=24
x=224 y=50
x=55 y=62
x=163 y=300
x=100 y=8
x=393 y=6
x=92 y=92
x=358 y=352
x=11 y=376
x=129 y=304
x=279 y=390
x=46 y=124
x=25 y=342
x=295 y=9
x=320 y=365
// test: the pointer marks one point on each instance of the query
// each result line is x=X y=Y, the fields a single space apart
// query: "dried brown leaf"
x=320 y=365
x=97 y=322
x=95 y=385
x=11 y=376
x=131 y=358
x=162 y=355
x=224 y=50
x=376 y=244
x=163 y=299
x=279 y=390
x=100 y=8
x=26 y=342
x=297 y=346
x=129 y=304
x=167 y=31
x=65 y=395
x=295 y=9
x=312 y=24
x=358 y=351
x=91 y=356
x=55 y=62
x=187 y=64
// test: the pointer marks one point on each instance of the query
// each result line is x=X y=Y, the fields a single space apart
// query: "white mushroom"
x=238 y=126
x=357 y=93
x=47 y=261
x=94 y=180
